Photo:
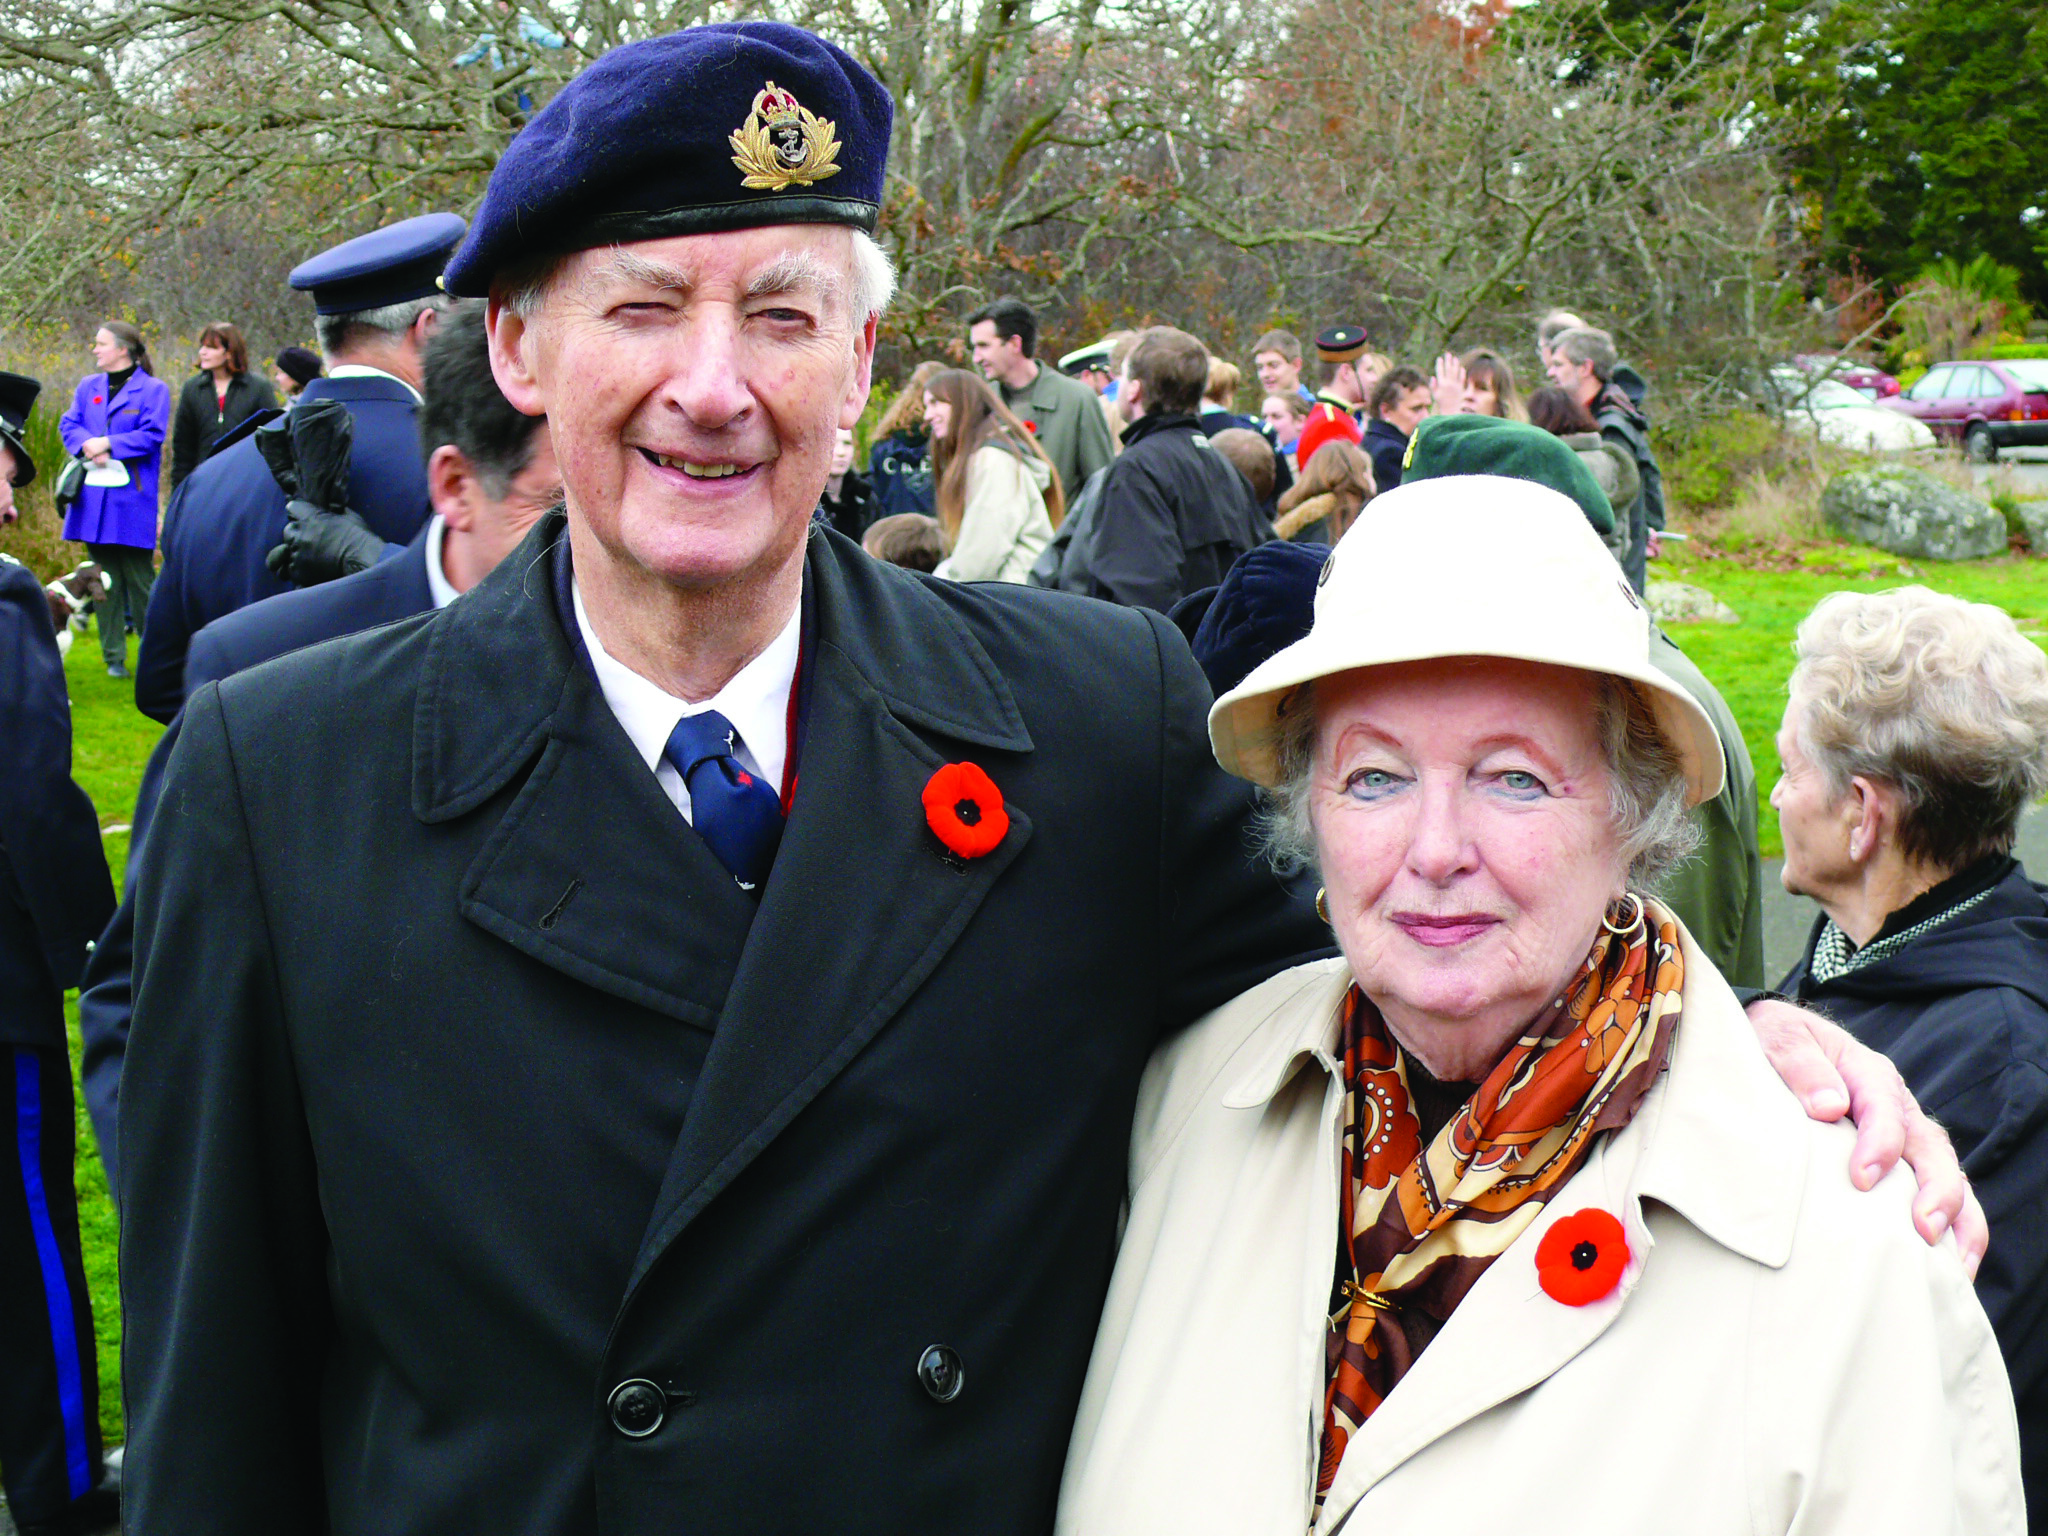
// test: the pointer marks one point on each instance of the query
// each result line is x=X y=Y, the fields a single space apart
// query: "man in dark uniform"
x=54 y=896
x=491 y=473
x=1338 y=349
x=654 y=1045
x=375 y=303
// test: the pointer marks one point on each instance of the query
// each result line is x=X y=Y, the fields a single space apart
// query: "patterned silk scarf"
x=1421 y=1224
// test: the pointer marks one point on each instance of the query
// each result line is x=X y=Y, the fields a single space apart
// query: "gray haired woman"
x=1915 y=735
x=1501 y=1219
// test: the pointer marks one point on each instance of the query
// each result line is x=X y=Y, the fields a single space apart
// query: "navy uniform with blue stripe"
x=55 y=895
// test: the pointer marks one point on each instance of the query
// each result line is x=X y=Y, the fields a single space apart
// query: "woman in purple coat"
x=118 y=418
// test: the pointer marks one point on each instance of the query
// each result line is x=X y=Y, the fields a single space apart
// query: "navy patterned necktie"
x=732 y=810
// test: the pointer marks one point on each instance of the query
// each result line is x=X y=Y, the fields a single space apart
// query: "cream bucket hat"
x=1467 y=565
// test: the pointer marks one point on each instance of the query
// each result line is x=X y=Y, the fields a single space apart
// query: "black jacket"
x=389 y=590
x=466 y=1088
x=1175 y=515
x=55 y=893
x=203 y=418
x=1386 y=447
x=854 y=510
x=1623 y=423
x=1963 y=1013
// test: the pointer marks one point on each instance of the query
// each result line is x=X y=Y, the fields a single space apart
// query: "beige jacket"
x=1783 y=1353
x=1004 y=527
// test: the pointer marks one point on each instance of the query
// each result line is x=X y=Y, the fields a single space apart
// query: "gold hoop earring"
x=1322 y=904
x=1635 y=919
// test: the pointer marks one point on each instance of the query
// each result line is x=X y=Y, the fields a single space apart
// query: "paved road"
x=1789 y=919
x=2029 y=465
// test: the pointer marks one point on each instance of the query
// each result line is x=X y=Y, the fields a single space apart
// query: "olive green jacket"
x=1066 y=417
x=1718 y=893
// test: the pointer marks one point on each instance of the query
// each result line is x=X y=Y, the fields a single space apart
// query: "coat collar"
x=1738 y=1190
x=507 y=644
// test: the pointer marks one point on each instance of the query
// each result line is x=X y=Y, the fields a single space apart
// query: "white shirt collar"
x=365 y=371
x=438 y=584
x=756 y=702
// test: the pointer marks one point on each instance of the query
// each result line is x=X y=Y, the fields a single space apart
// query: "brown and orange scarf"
x=1421 y=1224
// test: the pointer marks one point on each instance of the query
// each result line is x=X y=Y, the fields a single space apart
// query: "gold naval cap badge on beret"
x=783 y=144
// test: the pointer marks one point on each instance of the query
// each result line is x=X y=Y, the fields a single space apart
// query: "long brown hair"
x=1336 y=483
x=907 y=409
x=226 y=335
x=979 y=420
x=1489 y=370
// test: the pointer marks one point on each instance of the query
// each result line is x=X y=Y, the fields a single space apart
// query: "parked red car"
x=1984 y=406
x=1871 y=383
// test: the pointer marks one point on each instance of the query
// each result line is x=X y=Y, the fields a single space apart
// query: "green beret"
x=1487 y=445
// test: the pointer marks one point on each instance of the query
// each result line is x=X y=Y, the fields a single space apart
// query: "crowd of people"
x=1128 y=965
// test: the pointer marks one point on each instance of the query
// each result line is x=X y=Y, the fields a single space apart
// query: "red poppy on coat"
x=1581 y=1257
x=965 y=809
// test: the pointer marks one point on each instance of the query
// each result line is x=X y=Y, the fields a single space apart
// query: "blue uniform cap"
x=714 y=128
x=17 y=398
x=387 y=266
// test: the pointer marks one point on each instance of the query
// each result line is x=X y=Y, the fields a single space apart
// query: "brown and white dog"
x=72 y=598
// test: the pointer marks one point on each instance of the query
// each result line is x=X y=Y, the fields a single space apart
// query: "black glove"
x=322 y=546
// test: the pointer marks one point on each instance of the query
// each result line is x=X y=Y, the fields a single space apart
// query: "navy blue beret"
x=387 y=266
x=719 y=127
x=1265 y=604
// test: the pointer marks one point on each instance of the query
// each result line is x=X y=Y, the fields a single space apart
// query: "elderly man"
x=1063 y=413
x=695 y=987
x=490 y=474
x=376 y=303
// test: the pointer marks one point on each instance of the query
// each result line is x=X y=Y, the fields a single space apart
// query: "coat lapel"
x=590 y=870
x=1505 y=1338
x=893 y=664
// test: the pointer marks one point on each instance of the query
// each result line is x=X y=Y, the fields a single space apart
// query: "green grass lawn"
x=111 y=740
x=1749 y=662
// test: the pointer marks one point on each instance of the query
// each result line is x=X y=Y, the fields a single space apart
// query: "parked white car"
x=1837 y=414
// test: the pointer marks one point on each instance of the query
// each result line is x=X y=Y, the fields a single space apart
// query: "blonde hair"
x=1223 y=381
x=1944 y=700
x=907 y=409
x=1335 y=483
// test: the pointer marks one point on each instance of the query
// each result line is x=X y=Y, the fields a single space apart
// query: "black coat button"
x=940 y=1371
x=638 y=1407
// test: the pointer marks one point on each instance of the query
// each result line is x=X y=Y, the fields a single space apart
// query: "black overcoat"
x=465 y=1087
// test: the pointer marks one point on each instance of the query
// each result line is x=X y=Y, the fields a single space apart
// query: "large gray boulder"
x=1680 y=602
x=2033 y=517
x=1910 y=512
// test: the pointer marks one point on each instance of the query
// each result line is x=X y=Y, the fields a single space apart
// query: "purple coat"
x=136 y=420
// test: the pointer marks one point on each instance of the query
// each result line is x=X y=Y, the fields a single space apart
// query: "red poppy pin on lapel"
x=965 y=811
x=1581 y=1257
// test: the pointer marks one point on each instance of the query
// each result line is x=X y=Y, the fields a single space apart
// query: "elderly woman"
x=1916 y=733
x=1501 y=1220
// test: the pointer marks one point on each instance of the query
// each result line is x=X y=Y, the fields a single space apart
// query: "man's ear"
x=449 y=478
x=856 y=399
x=511 y=358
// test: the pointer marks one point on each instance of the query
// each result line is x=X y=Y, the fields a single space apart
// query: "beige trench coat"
x=1004 y=527
x=1783 y=1354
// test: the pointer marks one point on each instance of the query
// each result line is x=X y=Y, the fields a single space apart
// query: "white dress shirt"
x=438 y=584
x=365 y=371
x=756 y=701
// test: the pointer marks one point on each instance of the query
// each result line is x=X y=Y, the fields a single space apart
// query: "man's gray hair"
x=1646 y=785
x=1588 y=344
x=339 y=333
x=522 y=289
x=1553 y=325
